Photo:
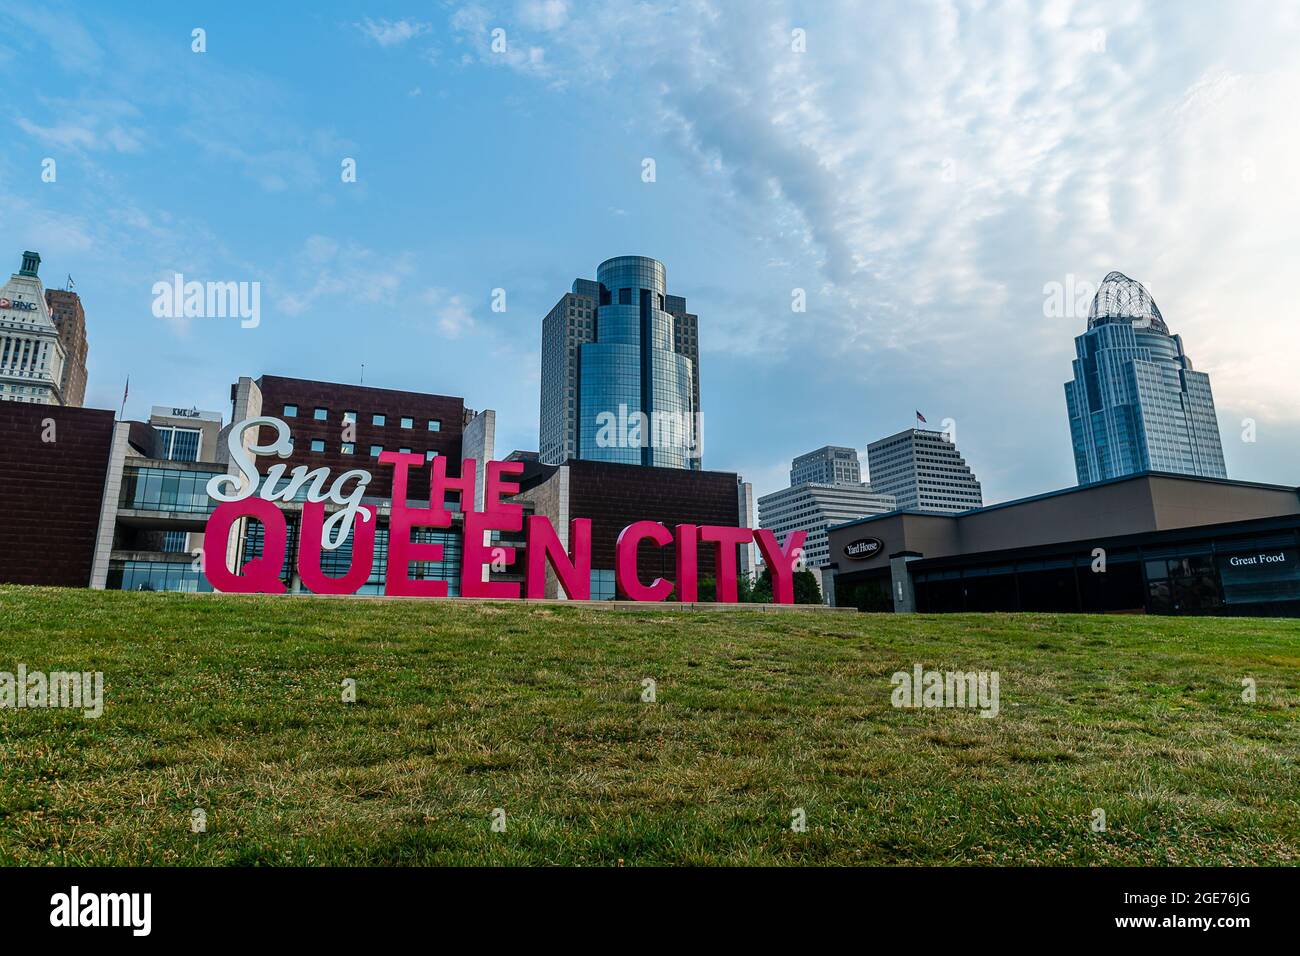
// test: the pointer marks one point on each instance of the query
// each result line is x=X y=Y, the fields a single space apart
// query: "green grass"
x=233 y=704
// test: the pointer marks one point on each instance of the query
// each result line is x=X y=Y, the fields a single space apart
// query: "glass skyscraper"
x=620 y=371
x=1135 y=403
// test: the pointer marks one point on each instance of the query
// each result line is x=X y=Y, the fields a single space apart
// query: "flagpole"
x=125 y=392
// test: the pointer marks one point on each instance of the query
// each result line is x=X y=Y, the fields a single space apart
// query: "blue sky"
x=923 y=171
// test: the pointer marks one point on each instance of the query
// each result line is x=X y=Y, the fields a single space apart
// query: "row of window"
x=178 y=444
x=322 y=414
x=350 y=448
x=166 y=489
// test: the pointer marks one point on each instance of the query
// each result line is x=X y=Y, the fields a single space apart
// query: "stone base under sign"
x=555 y=602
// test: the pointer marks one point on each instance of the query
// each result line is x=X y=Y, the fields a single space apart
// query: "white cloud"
x=931 y=167
x=451 y=312
x=544 y=14
x=333 y=275
x=391 y=32
x=87 y=124
x=476 y=26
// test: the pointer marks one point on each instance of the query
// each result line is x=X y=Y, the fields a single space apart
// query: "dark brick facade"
x=50 y=492
x=366 y=402
x=70 y=319
x=613 y=496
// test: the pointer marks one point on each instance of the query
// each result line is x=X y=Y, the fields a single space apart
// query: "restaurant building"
x=1149 y=542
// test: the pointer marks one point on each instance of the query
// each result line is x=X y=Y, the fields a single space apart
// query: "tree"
x=806 y=589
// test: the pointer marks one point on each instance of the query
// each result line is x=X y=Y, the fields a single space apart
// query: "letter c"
x=625 y=561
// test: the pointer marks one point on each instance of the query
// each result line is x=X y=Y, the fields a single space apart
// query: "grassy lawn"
x=233 y=704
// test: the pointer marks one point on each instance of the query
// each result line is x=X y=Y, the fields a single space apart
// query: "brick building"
x=53 y=462
x=70 y=319
x=381 y=419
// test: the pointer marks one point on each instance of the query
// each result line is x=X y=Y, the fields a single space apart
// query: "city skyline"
x=232 y=173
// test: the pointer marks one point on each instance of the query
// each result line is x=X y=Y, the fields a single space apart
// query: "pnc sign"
x=251 y=495
x=863 y=549
x=15 y=304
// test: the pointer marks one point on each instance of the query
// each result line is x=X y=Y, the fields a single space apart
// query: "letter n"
x=573 y=570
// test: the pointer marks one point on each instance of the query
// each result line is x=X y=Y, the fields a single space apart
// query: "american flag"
x=920 y=417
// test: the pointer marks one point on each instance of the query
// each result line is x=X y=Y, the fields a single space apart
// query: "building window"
x=376 y=450
x=430 y=455
x=406 y=451
x=602 y=585
x=317 y=444
x=349 y=448
x=435 y=425
x=291 y=411
x=156 y=576
x=377 y=419
x=624 y=296
x=408 y=422
x=349 y=418
x=321 y=414
x=178 y=444
x=174 y=541
x=164 y=489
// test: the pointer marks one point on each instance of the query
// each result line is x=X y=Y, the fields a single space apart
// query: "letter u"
x=309 y=551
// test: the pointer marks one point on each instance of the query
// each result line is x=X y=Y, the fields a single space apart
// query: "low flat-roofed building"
x=1152 y=542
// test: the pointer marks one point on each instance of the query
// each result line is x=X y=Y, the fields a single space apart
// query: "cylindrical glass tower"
x=635 y=396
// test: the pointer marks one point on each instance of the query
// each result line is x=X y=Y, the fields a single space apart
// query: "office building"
x=70 y=319
x=1151 y=542
x=620 y=371
x=828 y=465
x=814 y=508
x=923 y=471
x=186 y=434
x=748 y=566
x=31 y=351
x=189 y=435
x=1135 y=403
